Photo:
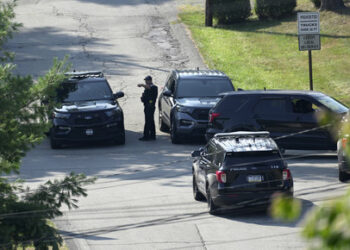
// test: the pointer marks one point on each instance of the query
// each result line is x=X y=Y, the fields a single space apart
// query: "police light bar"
x=246 y=141
x=243 y=134
x=84 y=74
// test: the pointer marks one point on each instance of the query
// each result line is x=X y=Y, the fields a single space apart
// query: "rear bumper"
x=242 y=199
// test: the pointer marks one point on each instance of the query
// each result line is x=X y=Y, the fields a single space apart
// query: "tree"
x=332 y=5
x=209 y=13
x=24 y=214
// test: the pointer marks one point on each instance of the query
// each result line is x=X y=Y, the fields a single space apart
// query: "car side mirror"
x=196 y=153
x=167 y=93
x=118 y=95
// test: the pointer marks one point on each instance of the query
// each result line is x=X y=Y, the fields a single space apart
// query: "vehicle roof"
x=199 y=74
x=244 y=141
x=274 y=92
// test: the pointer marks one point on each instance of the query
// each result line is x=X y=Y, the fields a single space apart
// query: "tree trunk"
x=332 y=4
x=208 y=13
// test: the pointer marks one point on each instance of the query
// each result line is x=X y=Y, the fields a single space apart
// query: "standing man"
x=149 y=98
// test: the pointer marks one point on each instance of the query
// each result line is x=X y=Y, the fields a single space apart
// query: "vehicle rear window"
x=247 y=158
x=271 y=106
x=203 y=87
x=85 y=91
x=231 y=104
x=332 y=104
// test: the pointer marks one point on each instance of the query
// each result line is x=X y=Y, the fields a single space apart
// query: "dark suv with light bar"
x=89 y=111
x=239 y=169
x=186 y=99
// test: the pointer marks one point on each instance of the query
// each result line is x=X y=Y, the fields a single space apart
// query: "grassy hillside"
x=258 y=54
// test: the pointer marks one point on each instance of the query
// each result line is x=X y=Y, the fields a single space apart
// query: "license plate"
x=255 y=178
x=89 y=132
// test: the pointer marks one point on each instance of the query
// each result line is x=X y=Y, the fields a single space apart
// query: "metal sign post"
x=309 y=36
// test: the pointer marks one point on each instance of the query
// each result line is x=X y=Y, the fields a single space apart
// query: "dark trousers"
x=150 y=128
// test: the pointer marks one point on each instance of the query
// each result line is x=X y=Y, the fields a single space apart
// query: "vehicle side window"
x=230 y=104
x=210 y=153
x=302 y=106
x=171 y=85
x=219 y=159
x=271 y=106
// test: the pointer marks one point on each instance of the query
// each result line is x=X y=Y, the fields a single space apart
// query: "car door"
x=270 y=113
x=168 y=101
x=311 y=135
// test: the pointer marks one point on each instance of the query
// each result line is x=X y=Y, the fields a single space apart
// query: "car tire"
x=121 y=139
x=197 y=195
x=212 y=208
x=343 y=176
x=162 y=126
x=174 y=136
x=55 y=144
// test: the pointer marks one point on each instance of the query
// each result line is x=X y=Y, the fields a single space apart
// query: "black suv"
x=239 y=169
x=89 y=111
x=290 y=116
x=186 y=99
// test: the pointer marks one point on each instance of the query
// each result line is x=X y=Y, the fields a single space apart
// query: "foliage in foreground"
x=24 y=214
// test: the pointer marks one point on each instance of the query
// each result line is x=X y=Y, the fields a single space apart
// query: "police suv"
x=89 y=111
x=239 y=169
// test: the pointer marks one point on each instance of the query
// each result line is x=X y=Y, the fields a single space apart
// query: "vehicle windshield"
x=332 y=104
x=203 y=87
x=241 y=159
x=84 y=91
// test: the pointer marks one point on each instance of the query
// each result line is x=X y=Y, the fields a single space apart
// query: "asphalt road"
x=143 y=196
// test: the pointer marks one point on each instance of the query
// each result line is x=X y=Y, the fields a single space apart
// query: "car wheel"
x=198 y=196
x=121 y=139
x=54 y=144
x=343 y=176
x=174 y=136
x=162 y=126
x=212 y=209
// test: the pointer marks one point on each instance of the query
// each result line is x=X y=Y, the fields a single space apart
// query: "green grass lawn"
x=257 y=54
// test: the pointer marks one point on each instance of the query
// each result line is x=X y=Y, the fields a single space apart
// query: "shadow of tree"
x=260 y=26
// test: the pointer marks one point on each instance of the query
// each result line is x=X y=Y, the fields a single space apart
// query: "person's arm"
x=143 y=85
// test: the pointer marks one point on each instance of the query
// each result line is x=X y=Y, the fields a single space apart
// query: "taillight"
x=213 y=116
x=344 y=142
x=286 y=174
x=221 y=176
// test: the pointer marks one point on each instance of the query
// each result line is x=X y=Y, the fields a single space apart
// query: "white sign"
x=308 y=23
x=309 y=42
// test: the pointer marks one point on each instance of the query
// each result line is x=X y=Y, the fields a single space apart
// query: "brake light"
x=344 y=142
x=213 y=116
x=286 y=174
x=221 y=176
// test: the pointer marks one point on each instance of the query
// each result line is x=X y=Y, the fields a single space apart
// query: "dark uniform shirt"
x=149 y=96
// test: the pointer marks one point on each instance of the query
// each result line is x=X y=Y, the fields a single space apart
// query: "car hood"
x=86 y=106
x=200 y=102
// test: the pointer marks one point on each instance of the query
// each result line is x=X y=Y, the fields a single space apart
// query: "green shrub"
x=317 y=3
x=274 y=8
x=231 y=11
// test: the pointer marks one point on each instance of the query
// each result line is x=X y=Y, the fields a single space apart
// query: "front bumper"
x=65 y=133
x=188 y=126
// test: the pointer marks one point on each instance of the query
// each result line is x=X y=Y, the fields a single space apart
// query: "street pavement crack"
x=201 y=237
